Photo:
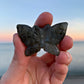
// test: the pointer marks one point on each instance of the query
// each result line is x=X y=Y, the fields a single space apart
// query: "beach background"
x=76 y=68
x=13 y=12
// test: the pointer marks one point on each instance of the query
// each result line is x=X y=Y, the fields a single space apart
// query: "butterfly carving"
x=47 y=38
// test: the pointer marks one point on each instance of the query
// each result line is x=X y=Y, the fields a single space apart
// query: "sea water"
x=76 y=67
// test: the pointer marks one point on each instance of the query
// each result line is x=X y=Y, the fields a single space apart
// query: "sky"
x=13 y=12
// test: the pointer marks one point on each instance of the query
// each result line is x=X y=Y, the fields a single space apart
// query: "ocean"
x=75 y=68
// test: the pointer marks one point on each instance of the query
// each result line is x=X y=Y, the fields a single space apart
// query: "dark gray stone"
x=47 y=38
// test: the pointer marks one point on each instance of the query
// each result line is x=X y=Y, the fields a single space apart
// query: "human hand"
x=47 y=69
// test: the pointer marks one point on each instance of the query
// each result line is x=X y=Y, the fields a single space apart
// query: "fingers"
x=66 y=43
x=64 y=58
x=43 y=19
x=19 y=46
x=59 y=73
x=60 y=67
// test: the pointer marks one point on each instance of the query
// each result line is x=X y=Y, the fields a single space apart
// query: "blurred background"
x=13 y=12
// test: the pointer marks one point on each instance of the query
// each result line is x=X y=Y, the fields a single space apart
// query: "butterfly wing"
x=58 y=32
x=30 y=37
x=36 y=34
x=48 y=44
x=51 y=49
x=32 y=49
x=53 y=36
x=25 y=33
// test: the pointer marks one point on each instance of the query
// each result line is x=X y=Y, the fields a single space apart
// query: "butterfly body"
x=47 y=38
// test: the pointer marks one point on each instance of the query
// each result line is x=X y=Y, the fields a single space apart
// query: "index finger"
x=66 y=43
x=43 y=19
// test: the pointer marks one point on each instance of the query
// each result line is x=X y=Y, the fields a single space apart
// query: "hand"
x=47 y=69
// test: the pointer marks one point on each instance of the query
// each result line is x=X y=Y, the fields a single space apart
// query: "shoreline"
x=12 y=41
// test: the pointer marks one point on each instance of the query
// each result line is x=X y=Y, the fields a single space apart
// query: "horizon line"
x=12 y=41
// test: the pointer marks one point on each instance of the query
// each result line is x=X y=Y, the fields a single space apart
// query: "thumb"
x=18 y=67
x=19 y=54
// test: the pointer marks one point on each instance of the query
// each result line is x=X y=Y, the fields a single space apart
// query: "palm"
x=38 y=72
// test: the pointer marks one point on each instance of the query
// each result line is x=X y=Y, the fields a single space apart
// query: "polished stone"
x=47 y=38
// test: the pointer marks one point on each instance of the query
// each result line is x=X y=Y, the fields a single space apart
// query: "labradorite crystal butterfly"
x=47 y=38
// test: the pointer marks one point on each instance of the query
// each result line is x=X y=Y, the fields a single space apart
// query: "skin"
x=47 y=69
